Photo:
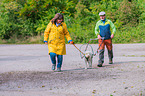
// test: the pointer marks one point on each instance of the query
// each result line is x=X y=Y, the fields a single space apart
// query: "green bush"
x=22 y=20
x=9 y=20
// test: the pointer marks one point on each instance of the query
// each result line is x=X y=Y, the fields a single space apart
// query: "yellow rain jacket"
x=56 y=42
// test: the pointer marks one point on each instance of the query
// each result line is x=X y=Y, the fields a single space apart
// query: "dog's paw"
x=86 y=68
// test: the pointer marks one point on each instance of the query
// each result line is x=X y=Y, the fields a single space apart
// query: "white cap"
x=102 y=13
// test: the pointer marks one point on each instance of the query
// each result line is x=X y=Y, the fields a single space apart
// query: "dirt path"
x=25 y=70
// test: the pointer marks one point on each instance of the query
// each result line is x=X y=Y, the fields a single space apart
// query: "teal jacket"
x=104 y=28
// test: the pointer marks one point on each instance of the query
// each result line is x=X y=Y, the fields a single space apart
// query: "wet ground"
x=25 y=70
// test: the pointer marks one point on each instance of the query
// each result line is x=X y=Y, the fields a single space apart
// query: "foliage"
x=9 y=19
x=128 y=13
x=22 y=20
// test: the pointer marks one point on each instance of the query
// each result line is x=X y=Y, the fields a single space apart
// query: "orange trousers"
x=107 y=42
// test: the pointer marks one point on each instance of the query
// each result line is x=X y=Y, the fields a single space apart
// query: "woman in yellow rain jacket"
x=56 y=31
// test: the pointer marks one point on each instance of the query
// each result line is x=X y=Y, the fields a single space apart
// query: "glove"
x=45 y=42
x=71 y=42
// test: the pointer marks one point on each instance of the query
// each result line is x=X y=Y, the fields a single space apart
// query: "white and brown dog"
x=88 y=59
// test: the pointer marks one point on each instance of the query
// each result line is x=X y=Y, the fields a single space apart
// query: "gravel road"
x=25 y=70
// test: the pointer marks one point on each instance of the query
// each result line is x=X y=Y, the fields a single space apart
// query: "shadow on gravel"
x=35 y=80
x=78 y=69
x=129 y=62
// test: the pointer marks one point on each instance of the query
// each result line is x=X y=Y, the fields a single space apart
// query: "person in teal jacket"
x=105 y=29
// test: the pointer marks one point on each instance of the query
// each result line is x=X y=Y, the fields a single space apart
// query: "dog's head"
x=88 y=54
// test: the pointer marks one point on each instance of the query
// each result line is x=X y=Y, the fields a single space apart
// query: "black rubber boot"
x=53 y=66
x=101 y=58
x=99 y=65
x=110 y=55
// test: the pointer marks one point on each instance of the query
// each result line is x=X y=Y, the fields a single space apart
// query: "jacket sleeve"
x=47 y=31
x=113 y=27
x=66 y=33
x=97 y=29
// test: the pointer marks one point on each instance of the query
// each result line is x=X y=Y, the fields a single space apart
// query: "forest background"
x=24 y=21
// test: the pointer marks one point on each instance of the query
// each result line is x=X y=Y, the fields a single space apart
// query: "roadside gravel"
x=25 y=70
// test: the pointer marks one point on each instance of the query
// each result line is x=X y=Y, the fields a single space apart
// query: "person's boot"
x=110 y=61
x=99 y=65
x=101 y=58
x=58 y=69
x=110 y=55
x=53 y=66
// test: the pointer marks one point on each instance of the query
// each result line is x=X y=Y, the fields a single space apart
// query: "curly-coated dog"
x=88 y=59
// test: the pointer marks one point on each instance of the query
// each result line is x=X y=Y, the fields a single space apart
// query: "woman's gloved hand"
x=46 y=43
x=71 y=42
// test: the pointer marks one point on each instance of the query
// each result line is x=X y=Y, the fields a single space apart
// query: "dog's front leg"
x=90 y=63
x=85 y=64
